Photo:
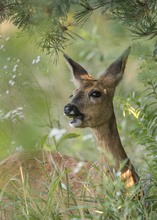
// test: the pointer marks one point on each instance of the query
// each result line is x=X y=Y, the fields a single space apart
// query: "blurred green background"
x=34 y=90
x=35 y=85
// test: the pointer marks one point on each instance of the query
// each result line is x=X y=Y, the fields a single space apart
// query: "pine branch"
x=45 y=19
x=145 y=131
x=138 y=16
x=48 y=17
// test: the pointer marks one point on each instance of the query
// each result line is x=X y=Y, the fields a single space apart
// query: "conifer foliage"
x=48 y=18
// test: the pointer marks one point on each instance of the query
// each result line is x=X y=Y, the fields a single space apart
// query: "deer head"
x=91 y=103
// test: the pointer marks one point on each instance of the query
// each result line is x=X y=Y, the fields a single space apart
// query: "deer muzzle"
x=73 y=112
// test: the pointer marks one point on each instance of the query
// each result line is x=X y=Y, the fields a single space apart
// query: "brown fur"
x=42 y=167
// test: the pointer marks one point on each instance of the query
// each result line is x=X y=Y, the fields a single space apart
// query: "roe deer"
x=91 y=106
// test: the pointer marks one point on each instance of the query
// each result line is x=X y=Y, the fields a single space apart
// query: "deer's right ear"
x=79 y=73
x=115 y=71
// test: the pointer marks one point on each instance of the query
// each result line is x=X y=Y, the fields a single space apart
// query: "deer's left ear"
x=79 y=73
x=115 y=71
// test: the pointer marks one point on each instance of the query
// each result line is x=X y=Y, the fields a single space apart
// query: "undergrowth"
x=102 y=199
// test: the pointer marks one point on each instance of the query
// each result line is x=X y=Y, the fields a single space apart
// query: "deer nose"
x=69 y=109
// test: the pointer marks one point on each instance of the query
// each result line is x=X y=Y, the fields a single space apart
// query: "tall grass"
x=98 y=199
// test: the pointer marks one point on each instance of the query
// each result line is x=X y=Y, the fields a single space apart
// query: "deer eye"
x=95 y=94
x=70 y=96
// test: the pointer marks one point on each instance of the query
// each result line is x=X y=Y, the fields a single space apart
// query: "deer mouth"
x=73 y=112
x=76 y=121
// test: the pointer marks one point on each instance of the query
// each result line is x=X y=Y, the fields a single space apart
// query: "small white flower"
x=2 y=46
x=118 y=193
x=33 y=61
x=7 y=92
x=15 y=114
x=38 y=59
x=14 y=76
x=78 y=167
x=15 y=67
x=11 y=82
x=7 y=115
x=20 y=108
x=7 y=38
x=57 y=133
x=5 y=67
x=118 y=174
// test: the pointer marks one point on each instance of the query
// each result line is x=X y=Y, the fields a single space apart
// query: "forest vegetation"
x=35 y=86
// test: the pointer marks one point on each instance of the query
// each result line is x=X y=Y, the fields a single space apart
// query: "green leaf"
x=151 y=198
x=68 y=136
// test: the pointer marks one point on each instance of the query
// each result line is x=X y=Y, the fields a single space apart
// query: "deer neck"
x=108 y=140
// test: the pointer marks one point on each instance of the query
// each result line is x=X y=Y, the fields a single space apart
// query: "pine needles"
x=47 y=18
x=44 y=19
x=146 y=128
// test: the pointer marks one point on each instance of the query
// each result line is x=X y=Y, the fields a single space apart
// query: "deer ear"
x=79 y=73
x=115 y=71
